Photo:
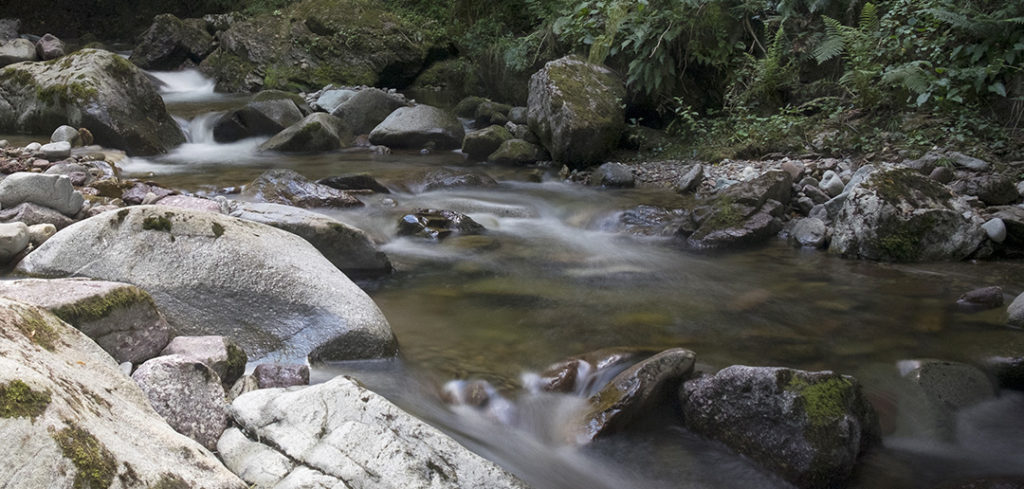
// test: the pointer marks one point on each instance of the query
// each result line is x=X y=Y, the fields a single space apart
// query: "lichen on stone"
x=37 y=328
x=95 y=464
x=18 y=400
x=98 y=307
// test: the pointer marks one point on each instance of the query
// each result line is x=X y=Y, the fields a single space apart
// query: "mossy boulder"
x=518 y=152
x=456 y=75
x=312 y=43
x=78 y=421
x=575 y=108
x=808 y=427
x=481 y=143
x=901 y=216
x=316 y=132
x=91 y=88
x=171 y=42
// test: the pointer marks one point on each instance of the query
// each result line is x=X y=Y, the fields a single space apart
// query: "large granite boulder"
x=576 y=109
x=213 y=274
x=94 y=89
x=418 y=127
x=366 y=108
x=76 y=421
x=339 y=434
x=809 y=427
x=348 y=248
x=171 y=42
x=315 y=133
x=121 y=318
x=902 y=216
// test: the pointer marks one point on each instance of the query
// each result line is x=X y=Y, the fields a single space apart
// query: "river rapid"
x=557 y=275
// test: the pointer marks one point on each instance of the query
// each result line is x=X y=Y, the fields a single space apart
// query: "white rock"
x=1016 y=312
x=56 y=151
x=53 y=191
x=33 y=147
x=13 y=240
x=996 y=229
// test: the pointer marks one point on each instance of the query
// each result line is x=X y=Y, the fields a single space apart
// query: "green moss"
x=170 y=481
x=99 y=307
x=899 y=245
x=725 y=215
x=908 y=185
x=824 y=401
x=66 y=94
x=157 y=223
x=218 y=230
x=18 y=400
x=122 y=214
x=96 y=466
x=38 y=329
x=16 y=76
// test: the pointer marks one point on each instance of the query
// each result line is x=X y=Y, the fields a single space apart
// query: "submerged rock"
x=187 y=394
x=418 y=127
x=119 y=317
x=339 y=434
x=79 y=421
x=983 y=298
x=90 y=88
x=290 y=188
x=809 y=427
x=575 y=108
x=437 y=224
x=211 y=274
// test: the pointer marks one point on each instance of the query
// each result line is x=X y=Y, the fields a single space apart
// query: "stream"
x=556 y=275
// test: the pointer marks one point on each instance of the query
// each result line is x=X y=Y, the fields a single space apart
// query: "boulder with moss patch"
x=213 y=274
x=481 y=143
x=121 y=318
x=743 y=214
x=91 y=88
x=171 y=42
x=79 y=421
x=575 y=107
x=902 y=216
x=809 y=427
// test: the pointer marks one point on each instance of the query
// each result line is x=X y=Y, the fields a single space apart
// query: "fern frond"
x=834 y=41
x=913 y=76
x=869 y=18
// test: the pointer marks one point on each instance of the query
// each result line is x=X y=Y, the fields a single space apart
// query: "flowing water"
x=555 y=275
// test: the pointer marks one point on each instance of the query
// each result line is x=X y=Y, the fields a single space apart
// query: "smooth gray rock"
x=808 y=427
x=348 y=248
x=983 y=298
x=809 y=232
x=968 y=162
x=94 y=89
x=171 y=42
x=33 y=214
x=356 y=181
x=575 y=108
x=56 y=151
x=339 y=434
x=268 y=113
x=518 y=152
x=271 y=375
x=1015 y=312
x=210 y=273
x=66 y=133
x=331 y=99
x=613 y=175
x=53 y=191
x=50 y=47
x=990 y=188
x=187 y=394
x=690 y=180
x=121 y=318
x=418 y=127
x=317 y=132
x=88 y=399
x=39 y=233
x=995 y=229
x=443 y=178
x=367 y=108
x=833 y=185
x=290 y=188
x=481 y=143
x=16 y=51
x=14 y=239
x=220 y=353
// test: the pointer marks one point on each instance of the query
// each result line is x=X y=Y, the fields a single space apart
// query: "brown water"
x=554 y=277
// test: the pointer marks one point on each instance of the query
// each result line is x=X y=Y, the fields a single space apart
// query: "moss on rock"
x=96 y=465
x=37 y=329
x=157 y=223
x=98 y=307
x=825 y=401
x=18 y=400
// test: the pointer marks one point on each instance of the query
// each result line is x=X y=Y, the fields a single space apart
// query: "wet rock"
x=360 y=181
x=269 y=113
x=690 y=180
x=808 y=427
x=94 y=89
x=32 y=214
x=81 y=403
x=899 y=215
x=13 y=240
x=448 y=178
x=367 y=108
x=290 y=188
x=271 y=375
x=208 y=273
x=49 y=47
x=481 y=143
x=220 y=353
x=729 y=223
x=187 y=394
x=190 y=203
x=613 y=175
x=990 y=188
x=645 y=220
x=338 y=434
x=1015 y=312
x=981 y=299
x=53 y=191
x=947 y=387
x=171 y=42
x=810 y=233
x=315 y=133
x=995 y=229
x=417 y=127
x=56 y=151
x=437 y=224
x=575 y=109
x=348 y=248
x=518 y=152
x=587 y=373
x=16 y=51
x=647 y=383
x=120 y=318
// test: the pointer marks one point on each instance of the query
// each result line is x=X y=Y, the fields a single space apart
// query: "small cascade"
x=184 y=82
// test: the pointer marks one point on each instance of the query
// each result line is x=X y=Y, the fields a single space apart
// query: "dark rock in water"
x=360 y=181
x=990 y=188
x=981 y=299
x=902 y=216
x=270 y=375
x=646 y=220
x=481 y=143
x=613 y=175
x=518 y=152
x=290 y=188
x=32 y=214
x=733 y=225
x=367 y=108
x=585 y=374
x=447 y=178
x=49 y=47
x=171 y=42
x=649 y=382
x=187 y=394
x=437 y=224
x=417 y=127
x=90 y=88
x=466 y=107
x=119 y=317
x=147 y=193
x=315 y=133
x=951 y=386
x=220 y=353
x=808 y=427
x=270 y=112
x=491 y=113
x=773 y=185
x=575 y=107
